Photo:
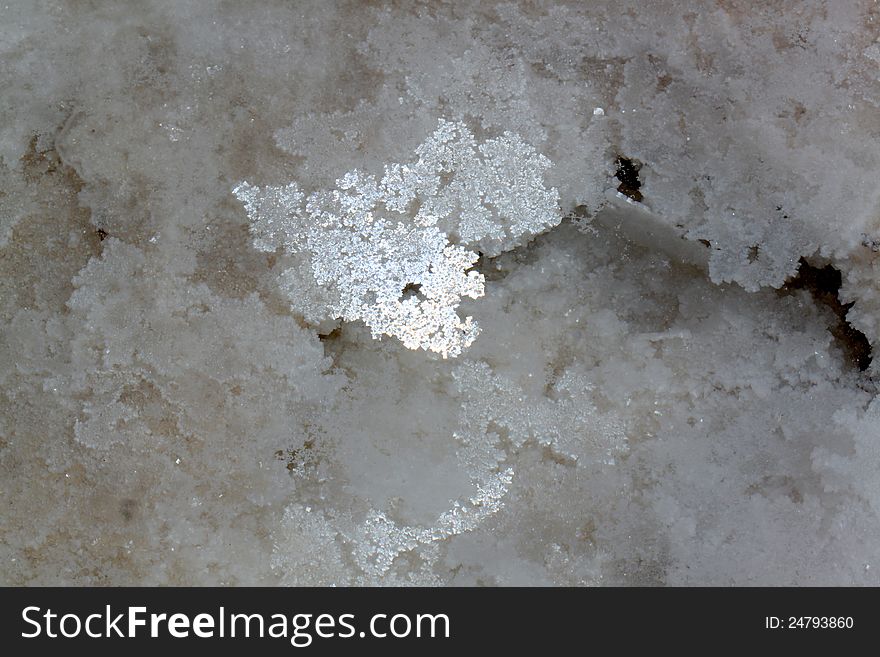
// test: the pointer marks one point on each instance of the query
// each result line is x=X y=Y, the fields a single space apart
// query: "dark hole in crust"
x=628 y=175
x=410 y=290
x=823 y=283
x=332 y=335
x=102 y=234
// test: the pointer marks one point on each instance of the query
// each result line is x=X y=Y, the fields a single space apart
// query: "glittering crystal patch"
x=376 y=249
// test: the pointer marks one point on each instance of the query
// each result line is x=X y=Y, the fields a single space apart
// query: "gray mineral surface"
x=439 y=293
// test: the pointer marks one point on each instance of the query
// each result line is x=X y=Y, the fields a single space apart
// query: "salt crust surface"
x=187 y=398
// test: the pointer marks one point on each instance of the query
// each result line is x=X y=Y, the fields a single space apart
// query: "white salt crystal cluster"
x=190 y=388
x=491 y=196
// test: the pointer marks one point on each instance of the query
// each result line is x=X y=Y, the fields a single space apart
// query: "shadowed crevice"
x=823 y=284
x=628 y=175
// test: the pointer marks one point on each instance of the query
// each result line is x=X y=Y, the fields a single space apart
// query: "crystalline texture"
x=397 y=271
